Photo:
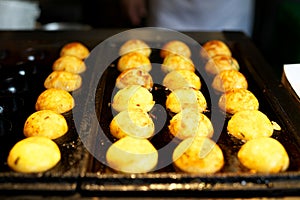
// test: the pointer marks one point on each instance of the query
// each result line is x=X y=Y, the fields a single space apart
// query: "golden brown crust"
x=132 y=155
x=190 y=123
x=220 y=63
x=249 y=124
x=134 y=76
x=45 y=123
x=266 y=155
x=134 y=60
x=228 y=80
x=238 y=100
x=33 y=155
x=134 y=122
x=175 y=47
x=181 y=79
x=75 y=49
x=57 y=100
x=176 y=62
x=70 y=64
x=198 y=156
x=135 y=46
x=181 y=98
x=63 y=80
x=133 y=96
x=215 y=47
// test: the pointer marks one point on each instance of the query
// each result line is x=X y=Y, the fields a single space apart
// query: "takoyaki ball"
x=237 y=100
x=33 y=155
x=46 y=123
x=190 y=123
x=132 y=155
x=181 y=98
x=228 y=80
x=198 y=156
x=135 y=45
x=133 y=122
x=54 y=99
x=213 y=48
x=175 y=47
x=181 y=79
x=220 y=63
x=134 y=60
x=75 y=49
x=265 y=155
x=70 y=64
x=250 y=124
x=177 y=62
x=134 y=76
x=133 y=96
x=63 y=80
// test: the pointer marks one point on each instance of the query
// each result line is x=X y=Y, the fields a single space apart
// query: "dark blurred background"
x=96 y=13
x=276 y=26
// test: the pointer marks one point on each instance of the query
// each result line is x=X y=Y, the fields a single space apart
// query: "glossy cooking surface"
x=25 y=62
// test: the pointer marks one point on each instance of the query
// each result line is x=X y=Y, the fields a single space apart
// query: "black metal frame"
x=79 y=178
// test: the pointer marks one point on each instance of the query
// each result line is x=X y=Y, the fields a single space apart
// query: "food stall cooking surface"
x=80 y=172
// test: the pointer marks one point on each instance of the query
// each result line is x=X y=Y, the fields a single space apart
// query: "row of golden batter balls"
x=246 y=123
x=38 y=152
x=132 y=125
x=260 y=152
x=134 y=100
x=197 y=152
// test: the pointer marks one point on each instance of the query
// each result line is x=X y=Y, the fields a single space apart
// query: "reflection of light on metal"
x=22 y=72
x=31 y=58
x=12 y=89
x=1 y=109
x=54 y=26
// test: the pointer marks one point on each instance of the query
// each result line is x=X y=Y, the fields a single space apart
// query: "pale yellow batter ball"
x=33 y=155
x=228 y=80
x=71 y=64
x=175 y=47
x=63 y=80
x=134 y=76
x=54 y=99
x=177 y=62
x=250 y=124
x=180 y=79
x=179 y=99
x=198 y=156
x=132 y=155
x=135 y=45
x=220 y=63
x=190 y=123
x=266 y=155
x=133 y=122
x=133 y=96
x=45 y=123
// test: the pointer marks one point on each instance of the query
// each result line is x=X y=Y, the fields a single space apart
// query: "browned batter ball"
x=75 y=49
x=134 y=60
x=228 y=80
x=175 y=47
x=54 y=99
x=135 y=45
x=237 y=100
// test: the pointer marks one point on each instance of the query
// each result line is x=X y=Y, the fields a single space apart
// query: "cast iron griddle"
x=80 y=172
x=232 y=178
x=24 y=65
